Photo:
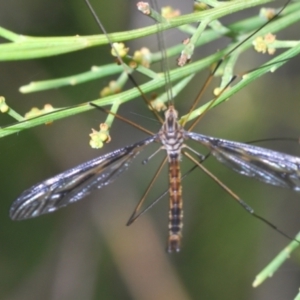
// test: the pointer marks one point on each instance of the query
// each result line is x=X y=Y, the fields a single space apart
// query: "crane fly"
x=265 y=165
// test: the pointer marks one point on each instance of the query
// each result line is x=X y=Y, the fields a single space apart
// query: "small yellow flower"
x=112 y=89
x=158 y=105
x=35 y=112
x=169 y=12
x=142 y=57
x=3 y=106
x=98 y=138
x=264 y=44
x=119 y=49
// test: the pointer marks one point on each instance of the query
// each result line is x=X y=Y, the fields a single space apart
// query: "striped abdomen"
x=176 y=212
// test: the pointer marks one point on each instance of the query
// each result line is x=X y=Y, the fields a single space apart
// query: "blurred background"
x=85 y=251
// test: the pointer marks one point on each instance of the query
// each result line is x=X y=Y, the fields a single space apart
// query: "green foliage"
x=85 y=251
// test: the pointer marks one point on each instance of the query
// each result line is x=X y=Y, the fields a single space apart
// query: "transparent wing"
x=74 y=184
x=266 y=165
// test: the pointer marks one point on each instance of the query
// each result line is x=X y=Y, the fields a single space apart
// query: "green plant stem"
x=26 y=47
x=290 y=16
x=153 y=85
x=207 y=36
x=273 y=266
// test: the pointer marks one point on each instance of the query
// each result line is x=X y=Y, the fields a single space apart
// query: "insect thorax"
x=171 y=134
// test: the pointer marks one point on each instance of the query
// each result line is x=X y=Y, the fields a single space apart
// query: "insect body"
x=268 y=166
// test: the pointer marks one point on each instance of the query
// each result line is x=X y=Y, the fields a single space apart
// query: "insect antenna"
x=148 y=10
x=125 y=67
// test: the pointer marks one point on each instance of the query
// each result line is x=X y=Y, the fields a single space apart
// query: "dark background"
x=85 y=251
